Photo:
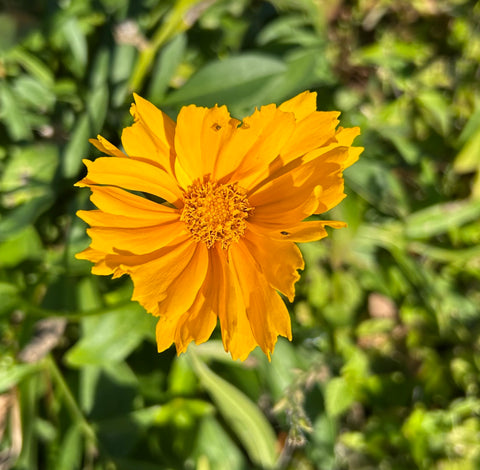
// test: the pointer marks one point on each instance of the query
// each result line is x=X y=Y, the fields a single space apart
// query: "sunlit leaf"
x=110 y=337
x=248 y=423
x=235 y=81
x=338 y=396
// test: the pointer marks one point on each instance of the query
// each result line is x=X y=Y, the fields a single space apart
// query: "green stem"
x=182 y=16
x=70 y=401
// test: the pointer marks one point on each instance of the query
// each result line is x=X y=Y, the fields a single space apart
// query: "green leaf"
x=246 y=420
x=33 y=65
x=8 y=32
x=25 y=245
x=345 y=297
x=291 y=29
x=304 y=69
x=18 y=218
x=12 y=115
x=439 y=218
x=279 y=373
x=165 y=67
x=12 y=374
x=376 y=183
x=436 y=110
x=34 y=92
x=9 y=298
x=77 y=43
x=403 y=143
x=237 y=82
x=97 y=107
x=77 y=147
x=472 y=126
x=70 y=450
x=225 y=454
x=112 y=336
x=27 y=172
x=181 y=380
x=338 y=396
x=107 y=391
x=101 y=66
x=468 y=159
x=124 y=56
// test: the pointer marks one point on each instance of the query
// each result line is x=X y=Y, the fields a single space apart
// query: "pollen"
x=215 y=212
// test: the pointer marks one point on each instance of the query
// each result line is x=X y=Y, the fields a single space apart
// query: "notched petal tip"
x=84 y=182
x=239 y=355
x=301 y=105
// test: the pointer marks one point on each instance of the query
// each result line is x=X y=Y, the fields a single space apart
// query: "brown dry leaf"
x=10 y=421
x=381 y=306
x=46 y=336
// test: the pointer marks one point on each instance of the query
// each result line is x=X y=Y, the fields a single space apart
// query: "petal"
x=223 y=296
x=302 y=232
x=136 y=240
x=137 y=142
x=291 y=192
x=188 y=144
x=157 y=122
x=345 y=137
x=309 y=123
x=96 y=218
x=233 y=151
x=274 y=220
x=105 y=146
x=342 y=138
x=312 y=132
x=132 y=174
x=266 y=312
x=312 y=167
x=314 y=128
x=152 y=274
x=278 y=260
x=98 y=258
x=200 y=135
x=196 y=325
x=181 y=293
x=276 y=128
x=331 y=194
x=165 y=332
x=301 y=105
x=217 y=129
x=119 y=202
x=151 y=136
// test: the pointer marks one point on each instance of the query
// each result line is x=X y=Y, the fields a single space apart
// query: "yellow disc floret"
x=215 y=212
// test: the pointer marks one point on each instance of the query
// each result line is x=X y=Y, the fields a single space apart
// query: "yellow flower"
x=215 y=237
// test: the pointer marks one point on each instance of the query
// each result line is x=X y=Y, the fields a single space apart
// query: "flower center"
x=215 y=212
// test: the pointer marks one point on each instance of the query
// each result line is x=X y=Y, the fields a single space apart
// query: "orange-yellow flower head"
x=236 y=194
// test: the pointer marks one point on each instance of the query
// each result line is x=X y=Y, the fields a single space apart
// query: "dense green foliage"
x=384 y=368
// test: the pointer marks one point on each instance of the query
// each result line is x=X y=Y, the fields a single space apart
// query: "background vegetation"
x=383 y=371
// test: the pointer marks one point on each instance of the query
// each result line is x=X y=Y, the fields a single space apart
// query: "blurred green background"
x=383 y=370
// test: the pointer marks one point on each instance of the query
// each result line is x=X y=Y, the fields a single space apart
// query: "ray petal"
x=279 y=261
x=105 y=146
x=132 y=174
x=153 y=273
x=267 y=314
x=120 y=202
